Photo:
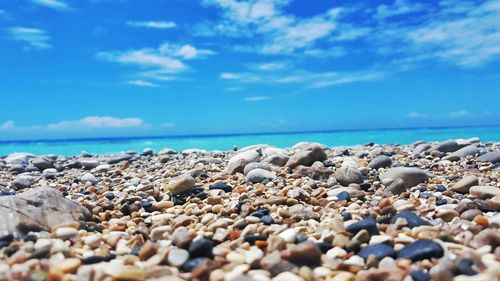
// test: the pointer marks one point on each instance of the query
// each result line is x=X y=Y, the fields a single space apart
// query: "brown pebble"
x=305 y=253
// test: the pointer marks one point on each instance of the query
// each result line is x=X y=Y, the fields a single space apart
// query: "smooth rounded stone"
x=421 y=148
x=23 y=181
x=19 y=158
x=380 y=161
x=93 y=240
x=483 y=192
x=288 y=235
x=464 y=267
x=447 y=146
x=287 y=276
x=344 y=196
x=412 y=219
x=17 y=169
x=470 y=214
x=463 y=185
x=201 y=248
x=304 y=253
x=396 y=187
x=191 y=264
x=119 y=158
x=42 y=163
x=88 y=163
x=421 y=249
x=238 y=162
x=148 y=151
x=88 y=177
x=278 y=159
x=38 y=209
x=418 y=275
x=487 y=236
x=259 y=175
x=347 y=175
x=493 y=157
x=411 y=176
x=177 y=257
x=462 y=152
x=221 y=186
x=31 y=168
x=167 y=151
x=256 y=165
x=66 y=232
x=307 y=156
x=49 y=173
x=68 y=265
x=378 y=250
x=369 y=223
x=180 y=184
x=103 y=168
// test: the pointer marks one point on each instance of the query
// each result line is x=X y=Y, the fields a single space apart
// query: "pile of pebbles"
x=425 y=211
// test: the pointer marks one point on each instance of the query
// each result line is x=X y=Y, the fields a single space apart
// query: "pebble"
x=88 y=177
x=66 y=232
x=412 y=219
x=370 y=224
x=221 y=186
x=380 y=251
x=181 y=184
x=463 y=185
x=177 y=257
x=347 y=175
x=23 y=181
x=381 y=161
x=484 y=191
x=260 y=175
x=305 y=253
x=410 y=176
x=492 y=157
x=200 y=248
x=421 y=249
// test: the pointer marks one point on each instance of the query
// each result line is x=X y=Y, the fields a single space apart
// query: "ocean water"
x=226 y=142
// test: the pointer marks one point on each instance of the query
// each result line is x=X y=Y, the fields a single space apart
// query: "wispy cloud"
x=416 y=114
x=53 y=4
x=257 y=98
x=142 y=83
x=161 y=64
x=153 y=24
x=35 y=38
x=459 y=113
x=98 y=122
x=7 y=125
x=399 y=7
x=167 y=125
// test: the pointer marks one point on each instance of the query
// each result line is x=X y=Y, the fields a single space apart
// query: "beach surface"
x=309 y=212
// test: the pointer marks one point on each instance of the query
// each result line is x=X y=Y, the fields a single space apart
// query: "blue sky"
x=92 y=68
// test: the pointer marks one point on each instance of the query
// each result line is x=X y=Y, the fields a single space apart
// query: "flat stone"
x=119 y=158
x=307 y=156
x=260 y=175
x=380 y=161
x=238 y=162
x=447 y=146
x=421 y=148
x=88 y=177
x=369 y=223
x=177 y=257
x=410 y=176
x=256 y=165
x=89 y=164
x=396 y=187
x=463 y=185
x=23 y=181
x=378 y=250
x=462 y=152
x=38 y=209
x=421 y=249
x=42 y=163
x=412 y=219
x=493 y=157
x=181 y=184
x=278 y=159
x=221 y=186
x=66 y=232
x=305 y=253
x=482 y=191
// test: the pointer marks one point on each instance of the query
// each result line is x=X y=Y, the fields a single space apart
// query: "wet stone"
x=412 y=219
x=370 y=224
x=421 y=249
x=221 y=186
x=201 y=248
x=378 y=250
x=418 y=275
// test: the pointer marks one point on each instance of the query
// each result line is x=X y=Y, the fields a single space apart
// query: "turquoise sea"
x=226 y=142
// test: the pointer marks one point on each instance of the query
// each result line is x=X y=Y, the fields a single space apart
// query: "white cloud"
x=230 y=76
x=53 y=4
x=98 y=122
x=35 y=38
x=142 y=83
x=187 y=51
x=153 y=24
x=257 y=98
x=459 y=113
x=161 y=64
x=416 y=114
x=400 y=7
x=167 y=125
x=7 y=125
x=271 y=66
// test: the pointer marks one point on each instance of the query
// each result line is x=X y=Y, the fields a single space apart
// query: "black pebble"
x=379 y=250
x=30 y=237
x=365 y=186
x=412 y=219
x=222 y=186
x=299 y=238
x=344 y=196
x=6 y=193
x=441 y=188
x=370 y=224
x=465 y=267
x=257 y=214
x=201 y=195
x=10 y=251
x=252 y=238
x=267 y=220
x=421 y=249
x=191 y=264
x=441 y=202
x=109 y=207
x=323 y=246
x=135 y=250
x=146 y=205
x=93 y=259
x=346 y=216
x=201 y=248
x=418 y=275
x=110 y=196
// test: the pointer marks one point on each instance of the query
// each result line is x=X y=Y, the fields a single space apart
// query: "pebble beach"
x=423 y=211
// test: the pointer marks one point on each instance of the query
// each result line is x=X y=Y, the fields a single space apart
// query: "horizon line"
x=92 y=139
